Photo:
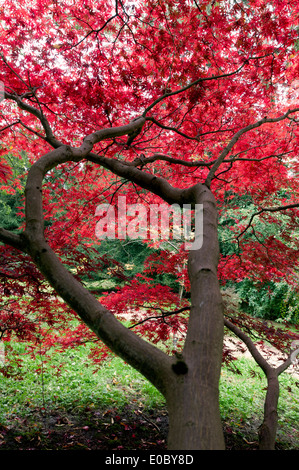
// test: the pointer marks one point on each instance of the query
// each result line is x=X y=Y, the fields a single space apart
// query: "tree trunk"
x=194 y=418
x=193 y=400
x=268 y=429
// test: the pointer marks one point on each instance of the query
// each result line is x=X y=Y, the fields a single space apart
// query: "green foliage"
x=231 y=300
x=289 y=310
x=234 y=209
x=9 y=204
x=11 y=196
x=131 y=255
x=273 y=301
x=242 y=398
x=68 y=380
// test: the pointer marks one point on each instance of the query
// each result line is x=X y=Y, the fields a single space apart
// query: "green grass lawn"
x=70 y=382
x=242 y=400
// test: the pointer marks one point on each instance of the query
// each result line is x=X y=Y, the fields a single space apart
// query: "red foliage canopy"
x=211 y=79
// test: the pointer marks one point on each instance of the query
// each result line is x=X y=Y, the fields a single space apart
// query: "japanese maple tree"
x=183 y=102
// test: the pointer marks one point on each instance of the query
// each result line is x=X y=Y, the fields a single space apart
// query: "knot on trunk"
x=180 y=367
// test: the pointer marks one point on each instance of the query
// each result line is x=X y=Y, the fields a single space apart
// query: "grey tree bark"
x=193 y=402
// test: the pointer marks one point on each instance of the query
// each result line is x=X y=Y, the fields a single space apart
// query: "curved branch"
x=49 y=137
x=259 y=359
x=200 y=80
x=190 y=85
x=162 y=157
x=170 y=128
x=250 y=345
x=142 y=160
x=159 y=317
x=237 y=136
x=267 y=209
x=177 y=131
x=12 y=239
x=10 y=125
x=155 y=184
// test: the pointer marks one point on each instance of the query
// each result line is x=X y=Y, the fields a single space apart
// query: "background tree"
x=185 y=102
x=268 y=428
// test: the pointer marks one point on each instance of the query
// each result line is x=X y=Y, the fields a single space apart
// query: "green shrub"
x=272 y=301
